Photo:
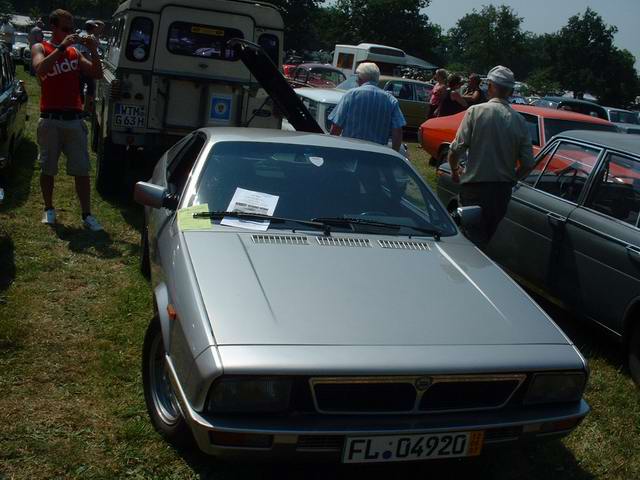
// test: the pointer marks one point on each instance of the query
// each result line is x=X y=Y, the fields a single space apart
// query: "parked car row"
x=625 y=120
x=437 y=134
x=13 y=114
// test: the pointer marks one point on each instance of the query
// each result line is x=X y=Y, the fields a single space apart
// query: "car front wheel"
x=634 y=354
x=159 y=395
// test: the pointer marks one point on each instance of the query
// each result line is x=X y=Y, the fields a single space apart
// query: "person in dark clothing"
x=473 y=94
x=452 y=102
x=498 y=143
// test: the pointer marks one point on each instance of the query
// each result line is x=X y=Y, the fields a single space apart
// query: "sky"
x=546 y=16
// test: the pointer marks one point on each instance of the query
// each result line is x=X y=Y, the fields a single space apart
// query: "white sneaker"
x=49 y=217
x=92 y=224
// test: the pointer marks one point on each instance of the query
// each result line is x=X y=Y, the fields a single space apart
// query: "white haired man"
x=368 y=112
x=499 y=154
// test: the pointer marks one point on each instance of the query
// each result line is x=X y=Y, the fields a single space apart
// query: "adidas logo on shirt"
x=61 y=67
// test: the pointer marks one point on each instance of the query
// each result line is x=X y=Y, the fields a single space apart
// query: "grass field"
x=73 y=310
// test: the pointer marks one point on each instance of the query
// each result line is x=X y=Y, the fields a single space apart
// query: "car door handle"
x=556 y=220
x=634 y=252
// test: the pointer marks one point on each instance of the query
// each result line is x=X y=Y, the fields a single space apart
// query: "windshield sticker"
x=214 y=32
x=220 y=108
x=317 y=161
x=247 y=201
x=186 y=222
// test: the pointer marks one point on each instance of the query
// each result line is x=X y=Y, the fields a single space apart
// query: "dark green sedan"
x=572 y=228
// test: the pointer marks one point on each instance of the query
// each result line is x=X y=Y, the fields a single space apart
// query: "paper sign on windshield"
x=247 y=201
x=186 y=221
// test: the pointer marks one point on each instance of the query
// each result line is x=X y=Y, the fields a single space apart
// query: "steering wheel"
x=566 y=181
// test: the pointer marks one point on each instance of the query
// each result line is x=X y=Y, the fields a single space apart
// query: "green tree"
x=300 y=30
x=489 y=37
x=621 y=83
x=543 y=81
x=588 y=61
x=398 y=23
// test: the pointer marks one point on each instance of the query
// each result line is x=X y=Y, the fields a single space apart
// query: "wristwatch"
x=61 y=48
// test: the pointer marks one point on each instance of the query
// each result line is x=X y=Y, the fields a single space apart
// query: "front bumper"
x=322 y=436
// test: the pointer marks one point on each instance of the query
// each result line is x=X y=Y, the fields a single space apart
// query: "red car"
x=316 y=75
x=436 y=135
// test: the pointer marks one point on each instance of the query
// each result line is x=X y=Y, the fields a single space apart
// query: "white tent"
x=21 y=22
x=418 y=62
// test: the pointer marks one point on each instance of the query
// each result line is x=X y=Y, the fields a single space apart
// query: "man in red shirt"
x=58 y=66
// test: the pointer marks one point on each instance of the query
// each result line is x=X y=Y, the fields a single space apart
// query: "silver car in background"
x=314 y=298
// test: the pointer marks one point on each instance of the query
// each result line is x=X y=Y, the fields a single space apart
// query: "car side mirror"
x=154 y=196
x=468 y=216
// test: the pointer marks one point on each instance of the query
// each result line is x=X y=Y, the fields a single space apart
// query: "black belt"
x=62 y=115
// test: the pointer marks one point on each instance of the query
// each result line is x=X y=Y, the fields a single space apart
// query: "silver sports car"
x=313 y=297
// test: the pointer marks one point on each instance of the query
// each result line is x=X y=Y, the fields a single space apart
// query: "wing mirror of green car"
x=154 y=196
x=468 y=216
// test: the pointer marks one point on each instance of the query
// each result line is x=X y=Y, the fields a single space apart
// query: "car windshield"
x=322 y=182
x=554 y=126
x=21 y=38
x=620 y=116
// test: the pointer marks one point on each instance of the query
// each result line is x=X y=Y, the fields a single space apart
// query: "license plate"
x=130 y=116
x=402 y=448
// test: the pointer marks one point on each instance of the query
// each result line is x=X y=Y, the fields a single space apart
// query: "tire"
x=634 y=354
x=162 y=405
x=145 y=263
x=109 y=160
x=442 y=156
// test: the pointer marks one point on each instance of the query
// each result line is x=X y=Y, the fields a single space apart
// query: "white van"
x=168 y=70
x=389 y=59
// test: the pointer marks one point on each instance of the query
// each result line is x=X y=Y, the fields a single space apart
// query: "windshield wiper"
x=346 y=221
x=326 y=229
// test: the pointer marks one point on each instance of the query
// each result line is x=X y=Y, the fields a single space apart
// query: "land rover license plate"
x=129 y=116
x=398 y=448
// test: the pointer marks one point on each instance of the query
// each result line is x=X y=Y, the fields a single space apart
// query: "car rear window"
x=619 y=116
x=203 y=41
x=423 y=93
x=322 y=77
x=554 y=126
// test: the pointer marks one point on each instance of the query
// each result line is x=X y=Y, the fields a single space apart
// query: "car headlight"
x=250 y=395
x=556 y=387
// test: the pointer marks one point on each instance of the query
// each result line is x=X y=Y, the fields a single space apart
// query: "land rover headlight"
x=559 y=387
x=249 y=395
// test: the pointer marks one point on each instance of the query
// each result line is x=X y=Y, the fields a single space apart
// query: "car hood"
x=283 y=293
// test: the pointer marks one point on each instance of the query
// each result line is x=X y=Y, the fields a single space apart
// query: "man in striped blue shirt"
x=368 y=112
